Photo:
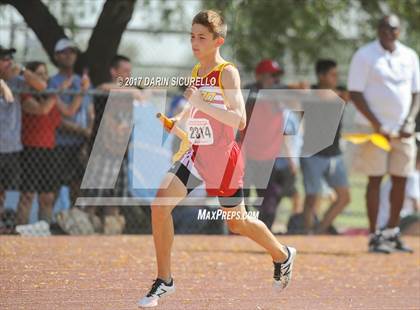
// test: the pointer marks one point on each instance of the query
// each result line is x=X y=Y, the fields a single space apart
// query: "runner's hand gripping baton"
x=170 y=126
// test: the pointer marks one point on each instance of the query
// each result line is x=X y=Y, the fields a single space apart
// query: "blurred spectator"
x=411 y=204
x=12 y=76
x=264 y=133
x=384 y=83
x=327 y=165
x=286 y=172
x=116 y=125
x=75 y=130
x=40 y=119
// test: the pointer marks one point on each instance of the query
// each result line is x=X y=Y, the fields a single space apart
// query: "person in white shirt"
x=384 y=83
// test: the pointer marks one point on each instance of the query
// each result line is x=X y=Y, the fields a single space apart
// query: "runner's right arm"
x=183 y=115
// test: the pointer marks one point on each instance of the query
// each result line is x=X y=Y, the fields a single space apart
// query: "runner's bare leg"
x=256 y=230
x=162 y=223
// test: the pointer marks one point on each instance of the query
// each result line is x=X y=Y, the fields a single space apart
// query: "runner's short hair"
x=213 y=21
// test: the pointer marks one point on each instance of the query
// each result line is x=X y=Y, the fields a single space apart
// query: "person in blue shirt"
x=12 y=77
x=75 y=131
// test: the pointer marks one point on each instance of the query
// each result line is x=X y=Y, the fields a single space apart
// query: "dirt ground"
x=210 y=272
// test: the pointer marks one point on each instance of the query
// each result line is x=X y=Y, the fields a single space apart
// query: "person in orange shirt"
x=263 y=144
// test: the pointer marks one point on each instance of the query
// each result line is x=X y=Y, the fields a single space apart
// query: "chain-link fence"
x=44 y=169
x=46 y=174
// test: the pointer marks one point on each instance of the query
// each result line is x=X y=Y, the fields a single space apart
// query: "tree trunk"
x=41 y=21
x=105 y=39
x=103 y=43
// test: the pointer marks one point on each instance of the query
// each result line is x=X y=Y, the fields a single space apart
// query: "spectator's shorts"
x=317 y=168
x=69 y=166
x=286 y=179
x=9 y=171
x=37 y=166
x=101 y=170
x=191 y=182
x=373 y=161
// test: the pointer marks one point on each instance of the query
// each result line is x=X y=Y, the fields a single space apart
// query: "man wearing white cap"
x=384 y=82
x=75 y=130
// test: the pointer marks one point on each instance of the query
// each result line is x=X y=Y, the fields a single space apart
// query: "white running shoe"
x=159 y=289
x=283 y=271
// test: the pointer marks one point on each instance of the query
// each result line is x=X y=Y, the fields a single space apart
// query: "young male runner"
x=216 y=109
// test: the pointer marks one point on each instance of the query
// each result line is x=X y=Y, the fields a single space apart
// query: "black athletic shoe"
x=378 y=244
x=332 y=231
x=396 y=243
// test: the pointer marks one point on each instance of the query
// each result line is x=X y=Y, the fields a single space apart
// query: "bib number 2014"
x=200 y=131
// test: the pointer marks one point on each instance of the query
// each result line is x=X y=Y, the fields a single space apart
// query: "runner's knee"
x=236 y=226
x=159 y=211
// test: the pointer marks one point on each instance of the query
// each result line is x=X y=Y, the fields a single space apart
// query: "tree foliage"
x=103 y=43
x=300 y=31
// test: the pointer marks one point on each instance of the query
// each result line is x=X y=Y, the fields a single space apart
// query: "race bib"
x=200 y=131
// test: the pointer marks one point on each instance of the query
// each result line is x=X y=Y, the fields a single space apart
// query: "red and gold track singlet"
x=215 y=153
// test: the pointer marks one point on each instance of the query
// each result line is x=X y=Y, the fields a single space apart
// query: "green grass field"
x=354 y=216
